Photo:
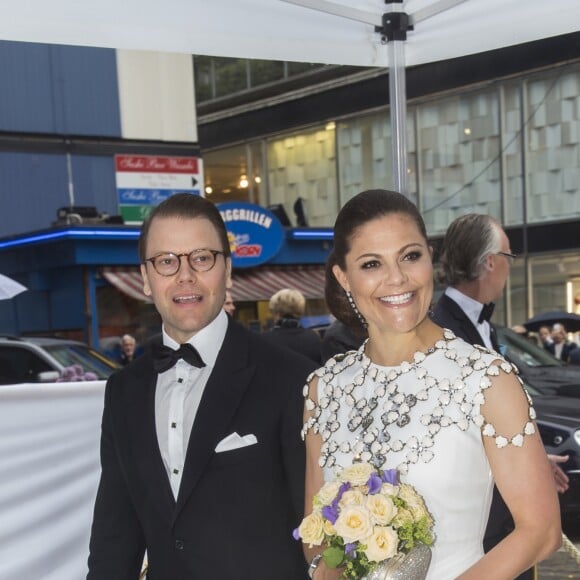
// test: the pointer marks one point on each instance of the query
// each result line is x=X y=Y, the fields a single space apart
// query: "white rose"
x=351 y=497
x=381 y=508
x=414 y=501
x=327 y=493
x=357 y=474
x=390 y=489
x=329 y=528
x=353 y=524
x=382 y=544
x=402 y=518
x=311 y=530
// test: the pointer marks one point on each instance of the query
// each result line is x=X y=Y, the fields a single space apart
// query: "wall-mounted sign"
x=255 y=233
x=144 y=181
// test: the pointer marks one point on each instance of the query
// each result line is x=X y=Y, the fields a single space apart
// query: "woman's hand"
x=323 y=572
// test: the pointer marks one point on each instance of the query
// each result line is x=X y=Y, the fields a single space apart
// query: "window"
x=20 y=365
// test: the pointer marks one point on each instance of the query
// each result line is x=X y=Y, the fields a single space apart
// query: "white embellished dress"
x=424 y=419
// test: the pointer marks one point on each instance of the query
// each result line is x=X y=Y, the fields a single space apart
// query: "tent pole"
x=393 y=31
x=398 y=108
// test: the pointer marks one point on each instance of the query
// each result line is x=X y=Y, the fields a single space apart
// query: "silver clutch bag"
x=411 y=566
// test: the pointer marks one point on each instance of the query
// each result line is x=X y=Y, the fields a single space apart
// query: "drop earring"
x=355 y=309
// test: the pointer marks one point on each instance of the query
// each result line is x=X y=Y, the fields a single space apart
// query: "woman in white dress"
x=453 y=418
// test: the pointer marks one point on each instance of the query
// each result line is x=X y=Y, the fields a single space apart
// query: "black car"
x=538 y=367
x=558 y=420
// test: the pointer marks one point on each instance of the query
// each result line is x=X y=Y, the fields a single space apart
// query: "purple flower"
x=390 y=476
x=374 y=484
x=330 y=512
x=295 y=534
x=349 y=549
x=344 y=487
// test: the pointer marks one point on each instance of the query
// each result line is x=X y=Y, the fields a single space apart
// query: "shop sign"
x=144 y=181
x=255 y=233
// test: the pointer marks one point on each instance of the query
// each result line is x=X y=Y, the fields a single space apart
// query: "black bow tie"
x=164 y=357
x=486 y=312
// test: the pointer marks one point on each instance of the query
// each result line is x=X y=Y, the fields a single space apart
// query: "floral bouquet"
x=75 y=373
x=369 y=521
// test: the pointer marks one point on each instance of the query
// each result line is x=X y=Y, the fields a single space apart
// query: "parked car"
x=555 y=390
x=558 y=420
x=537 y=366
x=37 y=360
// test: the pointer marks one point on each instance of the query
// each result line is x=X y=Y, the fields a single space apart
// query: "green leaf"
x=333 y=557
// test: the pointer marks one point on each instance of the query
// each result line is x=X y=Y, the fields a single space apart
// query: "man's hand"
x=560 y=478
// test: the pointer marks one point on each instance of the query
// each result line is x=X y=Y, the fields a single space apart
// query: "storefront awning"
x=126 y=279
x=250 y=285
x=260 y=284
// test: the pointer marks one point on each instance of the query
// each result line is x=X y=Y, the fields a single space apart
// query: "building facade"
x=496 y=133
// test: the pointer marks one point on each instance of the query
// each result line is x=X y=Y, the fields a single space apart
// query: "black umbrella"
x=570 y=320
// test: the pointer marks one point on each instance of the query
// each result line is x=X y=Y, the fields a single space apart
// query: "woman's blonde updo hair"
x=287 y=303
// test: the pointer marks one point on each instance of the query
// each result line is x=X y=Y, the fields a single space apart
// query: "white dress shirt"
x=178 y=394
x=472 y=309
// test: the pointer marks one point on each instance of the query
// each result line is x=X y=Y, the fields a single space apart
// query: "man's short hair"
x=186 y=206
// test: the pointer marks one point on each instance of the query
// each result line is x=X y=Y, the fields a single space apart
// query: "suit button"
x=179 y=544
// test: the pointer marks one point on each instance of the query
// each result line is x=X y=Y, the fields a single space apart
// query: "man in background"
x=476 y=259
x=561 y=347
x=129 y=349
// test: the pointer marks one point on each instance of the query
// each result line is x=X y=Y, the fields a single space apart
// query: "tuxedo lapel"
x=222 y=395
x=462 y=327
x=493 y=337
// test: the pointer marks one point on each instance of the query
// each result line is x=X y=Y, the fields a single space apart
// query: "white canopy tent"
x=333 y=32
x=279 y=30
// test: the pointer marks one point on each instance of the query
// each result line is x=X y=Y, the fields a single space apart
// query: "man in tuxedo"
x=476 y=259
x=202 y=461
x=560 y=346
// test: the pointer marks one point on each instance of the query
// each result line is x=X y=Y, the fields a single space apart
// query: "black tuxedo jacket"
x=235 y=512
x=566 y=349
x=448 y=314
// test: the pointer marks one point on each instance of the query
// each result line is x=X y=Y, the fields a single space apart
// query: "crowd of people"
x=218 y=438
x=554 y=339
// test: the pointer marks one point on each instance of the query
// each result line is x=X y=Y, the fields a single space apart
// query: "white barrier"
x=49 y=472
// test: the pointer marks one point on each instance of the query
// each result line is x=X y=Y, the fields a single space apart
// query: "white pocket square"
x=235 y=441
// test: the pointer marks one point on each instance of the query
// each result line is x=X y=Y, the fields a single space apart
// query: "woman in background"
x=287 y=307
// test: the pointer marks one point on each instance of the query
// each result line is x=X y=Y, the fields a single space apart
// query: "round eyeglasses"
x=168 y=264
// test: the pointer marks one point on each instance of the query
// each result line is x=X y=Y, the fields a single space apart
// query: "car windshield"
x=522 y=352
x=78 y=354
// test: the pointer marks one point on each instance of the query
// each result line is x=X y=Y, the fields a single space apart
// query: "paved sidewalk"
x=561 y=565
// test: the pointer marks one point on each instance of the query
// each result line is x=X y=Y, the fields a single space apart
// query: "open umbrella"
x=9 y=288
x=570 y=320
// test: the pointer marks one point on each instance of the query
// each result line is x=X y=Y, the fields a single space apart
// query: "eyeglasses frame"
x=184 y=254
x=508 y=255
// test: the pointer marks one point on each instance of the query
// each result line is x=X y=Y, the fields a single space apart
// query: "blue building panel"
x=58 y=89
x=33 y=186
x=86 y=91
x=94 y=178
x=26 y=90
